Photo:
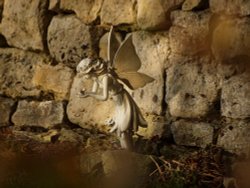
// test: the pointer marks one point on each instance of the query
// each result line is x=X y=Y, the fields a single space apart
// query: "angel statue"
x=109 y=79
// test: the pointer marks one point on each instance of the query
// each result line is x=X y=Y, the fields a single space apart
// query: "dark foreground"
x=95 y=161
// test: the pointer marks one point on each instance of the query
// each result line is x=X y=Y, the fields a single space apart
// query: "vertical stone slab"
x=153 y=51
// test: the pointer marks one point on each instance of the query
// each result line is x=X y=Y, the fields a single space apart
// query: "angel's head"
x=91 y=67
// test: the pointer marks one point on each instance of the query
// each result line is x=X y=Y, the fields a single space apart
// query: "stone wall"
x=196 y=50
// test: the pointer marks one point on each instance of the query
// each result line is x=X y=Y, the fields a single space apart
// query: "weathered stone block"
x=87 y=112
x=231 y=38
x=6 y=105
x=235 y=137
x=192 y=87
x=69 y=40
x=192 y=133
x=16 y=72
x=55 y=79
x=189 y=34
x=230 y=7
x=153 y=51
x=44 y=114
x=86 y=10
x=235 y=98
x=155 y=14
x=116 y=12
x=24 y=23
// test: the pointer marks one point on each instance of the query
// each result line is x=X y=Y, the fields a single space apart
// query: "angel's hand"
x=109 y=122
x=83 y=94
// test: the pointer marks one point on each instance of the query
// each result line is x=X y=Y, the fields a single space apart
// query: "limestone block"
x=235 y=98
x=55 y=79
x=116 y=12
x=231 y=38
x=86 y=10
x=230 y=7
x=70 y=40
x=16 y=72
x=189 y=34
x=189 y=133
x=235 y=137
x=87 y=112
x=153 y=51
x=44 y=114
x=154 y=14
x=6 y=105
x=192 y=87
x=24 y=23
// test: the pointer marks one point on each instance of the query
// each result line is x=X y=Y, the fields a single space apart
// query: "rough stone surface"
x=230 y=7
x=86 y=10
x=6 y=105
x=190 y=133
x=116 y=12
x=194 y=4
x=54 y=5
x=89 y=162
x=189 y=34
x=153 y=51
x=192 y=87
x=67 y=135
x=55 y=79
x=235 y=137
x=156 y=127
x=235 y=98
x=16 y=72
x=87 y=112
x=1 y=8
x=44 y=114
x=132 y=164
x=231 y=38
x=24 y=22
x=69 y=40
x=154 y=14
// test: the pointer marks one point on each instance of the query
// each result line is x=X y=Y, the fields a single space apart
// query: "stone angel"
x=109 y=79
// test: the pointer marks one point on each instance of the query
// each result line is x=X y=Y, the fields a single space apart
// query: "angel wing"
x=126 y=63
x=113 y=45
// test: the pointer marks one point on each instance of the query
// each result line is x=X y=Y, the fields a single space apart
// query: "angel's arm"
x=95 y=87
x=104 y=95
